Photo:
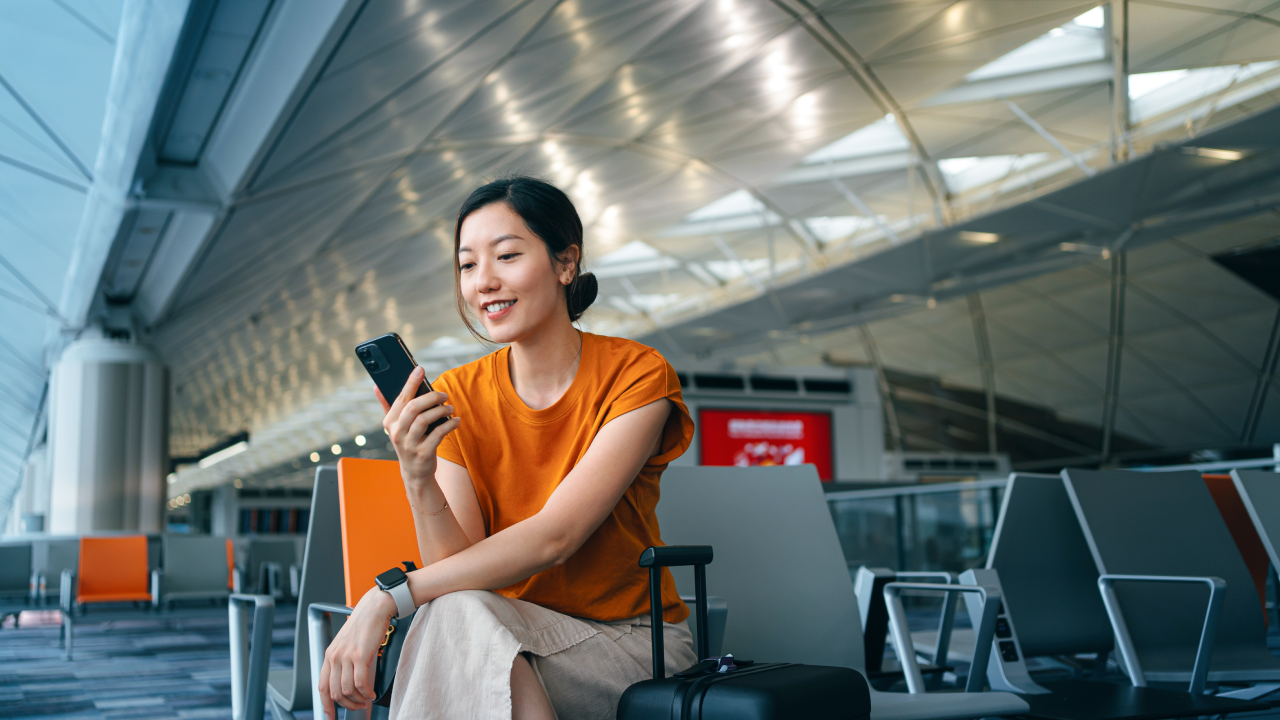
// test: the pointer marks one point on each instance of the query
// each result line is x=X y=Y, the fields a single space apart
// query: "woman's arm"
x=428 y=481
x=573 y=512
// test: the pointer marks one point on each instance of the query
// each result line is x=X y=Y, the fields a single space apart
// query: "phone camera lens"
x=364 y=353
x=371 y=365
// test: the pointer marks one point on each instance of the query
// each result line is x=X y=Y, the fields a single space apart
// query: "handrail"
x=916 y=489
x=1218 y=465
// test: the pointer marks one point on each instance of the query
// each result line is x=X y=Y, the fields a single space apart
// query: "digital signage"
x=749 y=438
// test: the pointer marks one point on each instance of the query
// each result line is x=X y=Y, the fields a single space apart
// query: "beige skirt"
x=457 y=656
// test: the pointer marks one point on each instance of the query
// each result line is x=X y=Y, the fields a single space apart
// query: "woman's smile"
x=495 y=309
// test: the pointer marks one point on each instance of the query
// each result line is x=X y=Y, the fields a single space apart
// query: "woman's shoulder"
x=624 y=353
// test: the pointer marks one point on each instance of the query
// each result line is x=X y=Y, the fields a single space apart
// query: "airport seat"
x=110 y=570
x=15 y=572
x=289 y=690
x=1167 y=525
x=51 y=560
x=1232 y=508
x=780 y=567
x=193 y=568
x=1047 y=571
x=231 y=565
x=268 y=563
x=1259 y=493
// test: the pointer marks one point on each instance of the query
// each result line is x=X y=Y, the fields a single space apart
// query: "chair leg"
x=278 y=712
x=66 y=622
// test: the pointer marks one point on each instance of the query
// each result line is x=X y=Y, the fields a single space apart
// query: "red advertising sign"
x=747 y=438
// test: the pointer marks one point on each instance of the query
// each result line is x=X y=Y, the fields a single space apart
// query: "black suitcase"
x=755 y=691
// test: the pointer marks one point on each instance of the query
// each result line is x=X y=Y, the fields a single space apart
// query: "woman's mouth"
x=496 y=310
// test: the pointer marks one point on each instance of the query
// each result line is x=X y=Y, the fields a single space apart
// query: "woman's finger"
x=327 y=701
x=363 y=686
x=348 y=682
x=418 y=430
x=437 y=436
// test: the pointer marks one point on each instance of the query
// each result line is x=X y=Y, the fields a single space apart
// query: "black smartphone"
x=390 y=363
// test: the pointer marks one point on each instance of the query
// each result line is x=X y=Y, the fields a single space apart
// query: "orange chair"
x=231 y=565
x=111 y=569
x=1243 y=532
x=377 y=535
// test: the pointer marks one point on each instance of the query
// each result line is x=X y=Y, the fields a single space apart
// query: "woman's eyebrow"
x=492 y=242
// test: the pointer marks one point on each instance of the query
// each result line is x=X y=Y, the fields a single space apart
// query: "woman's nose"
x=486 y=278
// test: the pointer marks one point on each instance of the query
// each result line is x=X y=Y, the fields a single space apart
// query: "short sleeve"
x=449 y=449
x=650 y=379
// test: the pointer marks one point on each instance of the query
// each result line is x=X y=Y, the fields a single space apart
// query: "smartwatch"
x=395 y=583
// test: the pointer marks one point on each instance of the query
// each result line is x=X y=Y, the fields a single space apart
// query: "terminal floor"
x=129 y=664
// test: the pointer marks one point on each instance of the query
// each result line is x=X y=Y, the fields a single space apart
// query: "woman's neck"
x=543 y=366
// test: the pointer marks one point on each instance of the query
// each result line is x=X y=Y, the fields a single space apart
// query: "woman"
x=533 y=502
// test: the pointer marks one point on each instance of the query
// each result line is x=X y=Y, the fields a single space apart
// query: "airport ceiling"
x=763 y=181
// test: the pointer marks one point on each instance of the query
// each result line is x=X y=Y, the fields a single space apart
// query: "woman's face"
x=507 y=277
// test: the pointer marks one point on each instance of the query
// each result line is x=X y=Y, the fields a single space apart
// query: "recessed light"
x=979 y=238
x=360 y=440
x=315 y=457
x=1216 y=154
x=336 y=449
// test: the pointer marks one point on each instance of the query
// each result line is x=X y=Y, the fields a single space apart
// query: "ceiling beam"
x=830 y=39
x=1118 y=51
x=1115 y=351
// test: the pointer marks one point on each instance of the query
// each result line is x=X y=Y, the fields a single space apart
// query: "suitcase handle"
x=656 y=558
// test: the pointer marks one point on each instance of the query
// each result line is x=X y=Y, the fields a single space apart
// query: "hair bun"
x=580 y=294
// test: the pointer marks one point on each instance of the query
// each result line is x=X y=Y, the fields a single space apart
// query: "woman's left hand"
x=346 y=676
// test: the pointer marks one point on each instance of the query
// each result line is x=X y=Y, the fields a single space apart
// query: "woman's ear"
x=569 y=264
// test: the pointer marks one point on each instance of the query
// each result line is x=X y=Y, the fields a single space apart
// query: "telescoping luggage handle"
x=656 y=558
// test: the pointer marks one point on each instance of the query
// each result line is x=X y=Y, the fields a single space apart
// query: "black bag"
x=752 y=691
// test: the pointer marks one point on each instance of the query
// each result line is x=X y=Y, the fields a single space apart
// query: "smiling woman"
x=533 y=502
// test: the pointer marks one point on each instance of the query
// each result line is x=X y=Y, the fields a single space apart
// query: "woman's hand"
x=347 y=674
x=406 y=424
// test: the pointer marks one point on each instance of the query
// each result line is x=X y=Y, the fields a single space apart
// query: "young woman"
x=532 y=503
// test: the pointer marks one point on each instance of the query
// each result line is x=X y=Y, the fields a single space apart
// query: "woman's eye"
x=465 y=267
x=507 y=256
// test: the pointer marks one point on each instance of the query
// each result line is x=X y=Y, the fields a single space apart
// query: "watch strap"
x=404 y=600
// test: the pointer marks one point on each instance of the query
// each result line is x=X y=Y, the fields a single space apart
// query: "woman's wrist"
x=381 y=603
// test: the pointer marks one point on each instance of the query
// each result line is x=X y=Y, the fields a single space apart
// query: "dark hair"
x=549 y=213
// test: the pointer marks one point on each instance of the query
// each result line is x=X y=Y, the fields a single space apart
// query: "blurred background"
x=914 y=243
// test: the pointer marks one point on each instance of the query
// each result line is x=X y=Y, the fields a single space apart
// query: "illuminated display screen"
x=747 y=438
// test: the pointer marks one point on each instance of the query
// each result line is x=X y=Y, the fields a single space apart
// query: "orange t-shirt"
x=517 y=457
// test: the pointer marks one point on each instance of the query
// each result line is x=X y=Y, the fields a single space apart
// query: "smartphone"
x=390 y=363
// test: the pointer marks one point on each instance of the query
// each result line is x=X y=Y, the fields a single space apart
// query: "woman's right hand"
x=406 y=424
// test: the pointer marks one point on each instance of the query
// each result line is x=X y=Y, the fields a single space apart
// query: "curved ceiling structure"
x=786 y=182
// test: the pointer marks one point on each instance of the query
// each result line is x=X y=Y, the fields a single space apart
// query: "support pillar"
x=1118 y=23
x=108 y=438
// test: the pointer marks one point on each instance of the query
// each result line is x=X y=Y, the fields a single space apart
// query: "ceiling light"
x=336 y=449
x=1228 y=155
x=223 y=454
x=932 y=303
x=315 y=457
x=238 y=483
x=979 y=238
x=172 y=478
x=360 y=440
x=186 y=498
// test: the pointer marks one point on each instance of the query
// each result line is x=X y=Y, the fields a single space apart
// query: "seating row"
x=1057 y=538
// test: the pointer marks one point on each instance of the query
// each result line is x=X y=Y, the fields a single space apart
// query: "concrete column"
x=108 y=438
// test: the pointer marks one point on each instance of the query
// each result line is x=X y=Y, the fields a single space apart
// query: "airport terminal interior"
x=974 y=306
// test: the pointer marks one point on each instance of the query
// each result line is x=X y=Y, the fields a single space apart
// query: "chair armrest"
x=249 y=662
x=66 y=590
x=942 y=646
x=1129 y=654
x=156 y=576
x=320 y=634
x=237 y=580
x=295 y=580
x=903 y=646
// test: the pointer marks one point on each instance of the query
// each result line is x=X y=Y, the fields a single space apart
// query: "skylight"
x=738 y=202
x=1079 y=41
x=634 y=258
x=1158 y=93
x=966 y=173
x=881 y=136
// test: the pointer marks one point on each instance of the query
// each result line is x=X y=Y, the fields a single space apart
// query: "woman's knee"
x=465 y=602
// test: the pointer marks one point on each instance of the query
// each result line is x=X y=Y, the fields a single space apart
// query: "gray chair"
x=269 y=559
x=15 y=572
x=779 y=565
x=1166 y=528
x=194 y=568
x=289 y=691
x=59 y=557
x=1260 y=492
x=1047 y=572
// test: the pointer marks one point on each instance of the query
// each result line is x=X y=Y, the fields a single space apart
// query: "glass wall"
x=945 y=526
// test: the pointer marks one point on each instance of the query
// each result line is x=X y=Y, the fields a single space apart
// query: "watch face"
x=391 y=578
